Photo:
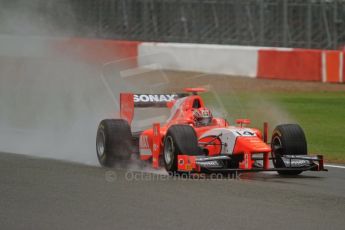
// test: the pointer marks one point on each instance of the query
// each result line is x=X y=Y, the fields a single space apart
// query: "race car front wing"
x=187 y=163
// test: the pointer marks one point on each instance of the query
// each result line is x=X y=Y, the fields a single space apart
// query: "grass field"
x=321 y=114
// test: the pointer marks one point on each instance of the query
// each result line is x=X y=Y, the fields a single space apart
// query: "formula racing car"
x=192 y=140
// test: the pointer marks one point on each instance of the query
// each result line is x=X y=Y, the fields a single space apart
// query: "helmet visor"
x=204 y=120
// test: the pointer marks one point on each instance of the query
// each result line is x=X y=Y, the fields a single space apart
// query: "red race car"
x=192 y=140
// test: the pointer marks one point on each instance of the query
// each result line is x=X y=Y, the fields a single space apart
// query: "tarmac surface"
x=38 y=193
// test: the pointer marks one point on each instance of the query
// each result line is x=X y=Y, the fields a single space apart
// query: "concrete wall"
x=246 y=61
x=220 y=59
x=254 y=62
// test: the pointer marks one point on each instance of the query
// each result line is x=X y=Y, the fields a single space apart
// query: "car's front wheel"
x=180 y=139
x=287 y=139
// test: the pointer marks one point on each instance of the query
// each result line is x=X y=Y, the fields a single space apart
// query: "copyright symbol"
x=110 y=176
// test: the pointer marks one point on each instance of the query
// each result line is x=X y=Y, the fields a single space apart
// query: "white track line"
x=335 y=166
x=326 y=165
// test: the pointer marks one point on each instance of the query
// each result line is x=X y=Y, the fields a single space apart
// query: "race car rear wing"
x=129 y=101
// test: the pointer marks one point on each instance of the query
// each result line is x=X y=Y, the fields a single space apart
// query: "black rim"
x=100 y=144
x=169 y=150
x=277 y=149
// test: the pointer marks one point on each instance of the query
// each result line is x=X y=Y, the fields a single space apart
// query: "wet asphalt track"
x=47 y=194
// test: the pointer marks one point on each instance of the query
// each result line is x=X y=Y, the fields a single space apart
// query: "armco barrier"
x=297 y=64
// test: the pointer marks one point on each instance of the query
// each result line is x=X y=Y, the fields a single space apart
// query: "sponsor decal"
x=210 y=164
x=144 y=145
x=155 y=130
x=144 y=142
x=154 y=97
x=246 y=133
x=246 y=160
x=155 y=147
x=295 y=163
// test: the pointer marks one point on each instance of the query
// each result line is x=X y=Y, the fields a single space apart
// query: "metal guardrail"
x=287 y=23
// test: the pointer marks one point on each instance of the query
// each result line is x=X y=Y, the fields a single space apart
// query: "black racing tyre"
x=180 y=139
x=113 y=141
x=287 y=139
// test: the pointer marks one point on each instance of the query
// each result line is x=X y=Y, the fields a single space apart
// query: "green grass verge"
x=321 y=115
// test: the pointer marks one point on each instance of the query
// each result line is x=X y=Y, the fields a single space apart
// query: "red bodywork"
x=245 y=144
x=151 y=140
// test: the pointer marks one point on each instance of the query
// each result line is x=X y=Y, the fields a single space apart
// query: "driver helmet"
x=202 y=116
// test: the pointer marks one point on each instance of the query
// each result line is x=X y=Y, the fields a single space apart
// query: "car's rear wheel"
x=113 y=142
x=287 y=139
x=180 y=139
